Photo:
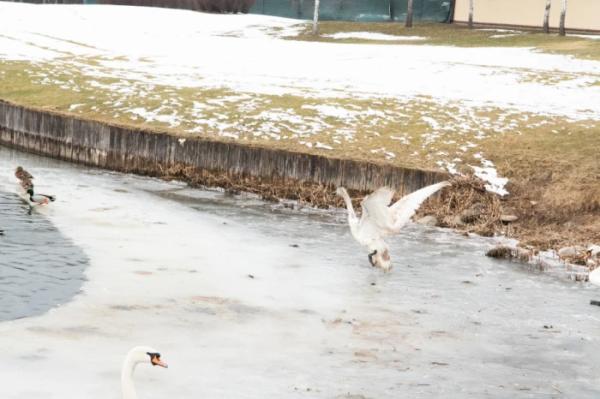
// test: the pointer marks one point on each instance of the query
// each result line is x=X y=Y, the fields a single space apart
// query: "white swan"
x=137 y=355
x=380 y=219
x=594 y=276
x=593 y=252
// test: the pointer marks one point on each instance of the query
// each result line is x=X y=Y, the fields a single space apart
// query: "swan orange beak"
x=157 y=362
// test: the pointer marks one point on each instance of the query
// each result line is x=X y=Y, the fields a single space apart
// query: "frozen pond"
x=250 y=300
x=39 y=267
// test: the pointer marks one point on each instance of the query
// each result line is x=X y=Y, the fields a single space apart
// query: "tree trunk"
x=563 y=17
x=315 y=30
x=547 y=16
x=471 y=7
x=409 y=14
x=451 y=13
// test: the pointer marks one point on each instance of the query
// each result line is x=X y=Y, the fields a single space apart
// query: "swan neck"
x=348 y=202
x=127 y=385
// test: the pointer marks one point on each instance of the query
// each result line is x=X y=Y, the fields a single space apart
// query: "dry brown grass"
x=555 y=186
x=457 y=35
x=466 y=206
x=270 y=189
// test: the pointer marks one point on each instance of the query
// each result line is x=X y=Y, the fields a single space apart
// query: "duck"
x=39 y=199
x=22 y=174
x=137 y=355
x=379 y=219
x=25 y=178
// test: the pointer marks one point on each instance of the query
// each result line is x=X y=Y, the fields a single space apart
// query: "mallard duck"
x=39 y=199
x=24 y=178
x=22 y=174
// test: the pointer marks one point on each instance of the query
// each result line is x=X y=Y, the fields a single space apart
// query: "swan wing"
x=369 y=228
x=407 y=206
x=367 y=232
x=375 y=207
x=594 y=276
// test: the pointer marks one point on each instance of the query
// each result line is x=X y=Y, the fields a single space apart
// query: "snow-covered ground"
x=250 y=300
x=145 y=57
x=183 y=48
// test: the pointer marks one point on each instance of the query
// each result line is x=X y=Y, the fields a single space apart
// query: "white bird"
x=593 y=251
x=379 y=219
x=594 y=276
x=137 y=355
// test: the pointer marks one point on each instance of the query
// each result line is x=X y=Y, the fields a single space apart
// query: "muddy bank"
x=540 y=243
x=271 y=173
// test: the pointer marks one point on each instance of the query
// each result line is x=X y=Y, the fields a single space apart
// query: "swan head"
x=146 y=354
x=380 y=256
x=340 y=191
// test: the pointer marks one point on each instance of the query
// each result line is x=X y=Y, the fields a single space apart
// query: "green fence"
x=355 y=10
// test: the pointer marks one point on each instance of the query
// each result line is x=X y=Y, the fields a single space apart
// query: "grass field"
x=580 y=46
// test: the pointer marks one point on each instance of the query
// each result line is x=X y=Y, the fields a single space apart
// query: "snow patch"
x=489 y=174
x=332 y=111
x=591 y=37
x=323 y=146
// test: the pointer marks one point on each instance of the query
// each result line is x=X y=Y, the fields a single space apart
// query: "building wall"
x=581 y=14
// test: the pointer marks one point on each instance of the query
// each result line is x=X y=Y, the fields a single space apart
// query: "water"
x=250 y=300
x=39 y=267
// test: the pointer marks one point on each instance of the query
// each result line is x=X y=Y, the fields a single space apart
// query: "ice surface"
x=170 y=268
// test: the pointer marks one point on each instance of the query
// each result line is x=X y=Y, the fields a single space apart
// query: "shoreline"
x=272 y=174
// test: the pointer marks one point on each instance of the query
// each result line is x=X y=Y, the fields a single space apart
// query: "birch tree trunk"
x=409 y=14
x=547 y=16
x=563 y=17
x=315 y=30
x=471 y=7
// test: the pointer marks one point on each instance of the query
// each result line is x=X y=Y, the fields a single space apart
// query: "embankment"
x=272 y=173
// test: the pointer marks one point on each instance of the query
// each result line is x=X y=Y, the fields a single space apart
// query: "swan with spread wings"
x=379 y=219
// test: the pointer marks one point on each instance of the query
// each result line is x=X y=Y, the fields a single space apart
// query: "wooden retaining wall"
x=159 y=154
